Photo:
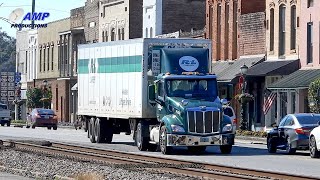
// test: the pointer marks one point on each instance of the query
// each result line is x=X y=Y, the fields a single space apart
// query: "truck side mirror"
x=151 y=93
x=224 y=101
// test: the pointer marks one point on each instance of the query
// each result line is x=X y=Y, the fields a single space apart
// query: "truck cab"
x=189 y=113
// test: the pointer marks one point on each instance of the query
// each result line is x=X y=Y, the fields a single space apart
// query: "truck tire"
x=27 y=125
x=141 y=142
x=91 y=130
x=163 y=141
x=55 y=127
x=2 y=124
x=9 y=123
x=225 y=149
x=98 y=133
x=108 y=131
x=197 y=149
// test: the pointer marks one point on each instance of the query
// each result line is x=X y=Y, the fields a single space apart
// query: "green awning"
x=300 y=79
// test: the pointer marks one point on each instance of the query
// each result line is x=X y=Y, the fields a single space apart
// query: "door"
x=281 y=128
x=289 y=130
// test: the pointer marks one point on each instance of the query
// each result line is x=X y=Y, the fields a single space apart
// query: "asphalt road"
x=244 y=154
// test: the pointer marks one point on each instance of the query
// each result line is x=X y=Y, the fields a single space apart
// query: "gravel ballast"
x=42 y=166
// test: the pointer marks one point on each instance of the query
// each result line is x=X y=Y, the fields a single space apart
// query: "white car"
x=314 y=142
x=228 y=110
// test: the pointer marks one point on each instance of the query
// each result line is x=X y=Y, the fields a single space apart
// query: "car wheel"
x=163 y=141
x=27 y=125
x=49 y=128
x=271 y=145
x=314 y=153
x=289 y=148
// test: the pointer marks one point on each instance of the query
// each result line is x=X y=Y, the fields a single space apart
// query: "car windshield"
x=308 y=119
x=45 y=111
x=192 y=88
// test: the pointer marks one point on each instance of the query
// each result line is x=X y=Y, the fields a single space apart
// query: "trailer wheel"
x=225 y=149
x=91 y=130
x=97 y=131
x=163 y=141
x=141 y=142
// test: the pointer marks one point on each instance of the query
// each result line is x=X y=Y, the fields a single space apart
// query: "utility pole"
x=33 y=9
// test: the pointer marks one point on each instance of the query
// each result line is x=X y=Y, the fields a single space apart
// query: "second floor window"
x=293 y=28
x=271 y=29
x=309 y=43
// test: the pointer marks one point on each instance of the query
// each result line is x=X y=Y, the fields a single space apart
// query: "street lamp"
x=17 y=99
x=244 y=123
x=44 y=83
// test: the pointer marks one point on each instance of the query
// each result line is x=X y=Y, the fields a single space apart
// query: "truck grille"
x=203 y=121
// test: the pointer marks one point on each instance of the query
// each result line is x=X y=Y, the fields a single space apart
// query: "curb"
x=254 y=140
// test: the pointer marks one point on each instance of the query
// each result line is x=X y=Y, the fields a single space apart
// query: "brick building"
x=282 y=56
x=91 y=21
x=235 y=25
x=120 y=20
x=168 y=16
x=237 y=30
x=294 y=87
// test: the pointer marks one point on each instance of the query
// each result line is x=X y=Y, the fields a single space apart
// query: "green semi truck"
x=159 y=89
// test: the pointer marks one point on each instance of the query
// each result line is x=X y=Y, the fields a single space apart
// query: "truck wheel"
x=33 y=126
x=225 y=149
x=8 y=123
x=108 y=131
x=163 y=141
x=2 y=124
x=197 y=149
x=49 y=127
x=141 y=142
x=91 y=131
x=85 y=125
x=55 y=127
x=97 y=131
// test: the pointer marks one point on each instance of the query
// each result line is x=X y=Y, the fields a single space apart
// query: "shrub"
x=252 y=133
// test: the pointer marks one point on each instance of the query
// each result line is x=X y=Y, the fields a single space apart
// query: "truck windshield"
x=192 y=88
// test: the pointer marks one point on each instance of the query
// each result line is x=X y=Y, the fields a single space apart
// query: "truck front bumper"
x=192 y=140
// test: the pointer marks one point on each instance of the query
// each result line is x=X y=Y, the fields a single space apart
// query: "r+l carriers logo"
x=188 y=63
x=19 y=14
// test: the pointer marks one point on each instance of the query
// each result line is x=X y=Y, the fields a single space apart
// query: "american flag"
x=268 y=102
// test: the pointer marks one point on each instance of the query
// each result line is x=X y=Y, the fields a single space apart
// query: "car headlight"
x=177 y=128
x=227 y=127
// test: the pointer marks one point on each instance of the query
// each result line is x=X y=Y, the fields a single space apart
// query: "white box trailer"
x=112 y=76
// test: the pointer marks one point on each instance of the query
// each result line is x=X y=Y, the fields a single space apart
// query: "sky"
x=58 y=9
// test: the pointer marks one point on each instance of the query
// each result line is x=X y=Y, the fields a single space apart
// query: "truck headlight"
x=178 y=112
x=227 y=128
x=177 y=128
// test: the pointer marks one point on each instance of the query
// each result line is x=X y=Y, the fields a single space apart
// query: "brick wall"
x=183 y=15
x=252 y=36
x=252 y=6
x=135 y=19
x=77 y=17
x=91 y=11
x=225 y=36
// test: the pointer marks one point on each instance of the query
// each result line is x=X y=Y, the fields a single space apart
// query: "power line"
x=17 y=6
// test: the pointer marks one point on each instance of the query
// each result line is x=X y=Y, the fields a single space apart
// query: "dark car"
x=292 y=133
x=40 y=117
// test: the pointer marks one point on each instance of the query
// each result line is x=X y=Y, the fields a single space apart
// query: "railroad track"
x=127 y=160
